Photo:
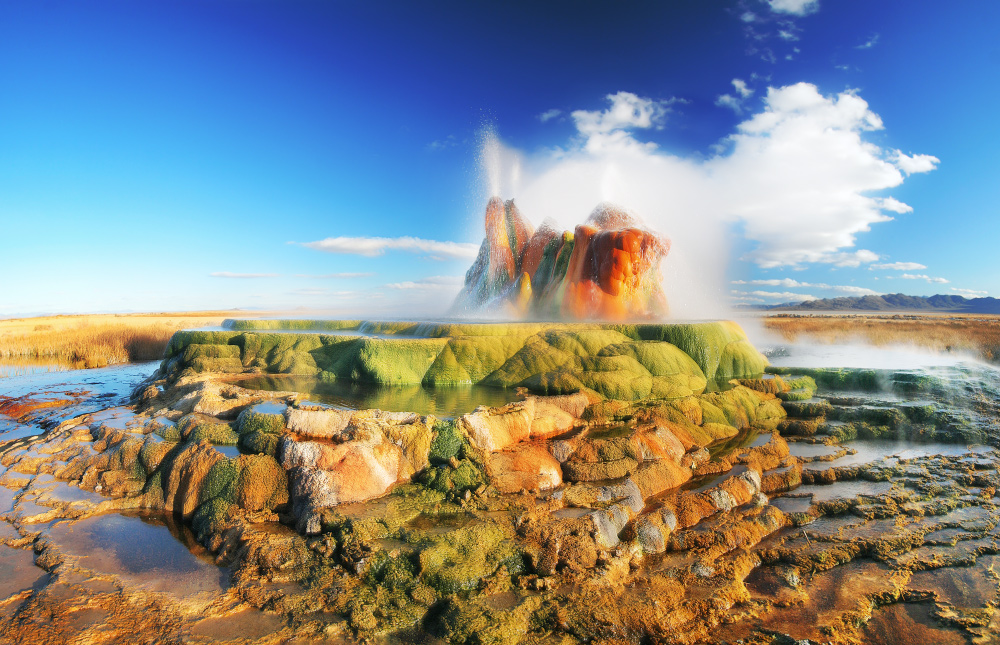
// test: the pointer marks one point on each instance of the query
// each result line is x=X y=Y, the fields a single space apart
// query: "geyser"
x=608 y=268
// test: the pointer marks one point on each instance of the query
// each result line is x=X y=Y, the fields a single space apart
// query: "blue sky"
x=183 y=155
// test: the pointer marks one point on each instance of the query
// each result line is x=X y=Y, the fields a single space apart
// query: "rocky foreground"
x=839 y=506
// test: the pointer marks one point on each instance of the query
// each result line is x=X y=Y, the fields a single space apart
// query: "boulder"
x=493 y=429
x=549 y=420
x=186 y=475
x=524 y=467
x=317 y=424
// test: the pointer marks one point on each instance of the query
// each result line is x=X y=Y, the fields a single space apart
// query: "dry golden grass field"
x=108 y=339
x=979 y=335
x=97 y=340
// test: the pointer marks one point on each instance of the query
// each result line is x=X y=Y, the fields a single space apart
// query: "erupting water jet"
x=608 y=268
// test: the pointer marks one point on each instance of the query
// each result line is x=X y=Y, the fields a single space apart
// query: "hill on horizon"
x=895 y=302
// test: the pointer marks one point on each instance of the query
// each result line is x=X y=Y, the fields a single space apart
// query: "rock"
x=186 y=475
x=626 y=492
x=571 y=404
x=350 y=472
x=608 y=268
x=550 y=421
x=147 y=395
x=524 y=467
x=500 y=257
x=494 y=429
x=317 y=424
x=561 y=450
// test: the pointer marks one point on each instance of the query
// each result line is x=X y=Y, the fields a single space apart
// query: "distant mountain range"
x=895 y=302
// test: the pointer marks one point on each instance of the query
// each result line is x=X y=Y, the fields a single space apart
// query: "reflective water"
x=440 y=401
x=153 y=551
x=869 y=452
x=76 y=391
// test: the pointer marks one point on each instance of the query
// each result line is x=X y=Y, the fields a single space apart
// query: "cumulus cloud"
x=334 y=276
x=970 y=292
x=436 y=282
x=735 y=102
x=741 y=88
x=898 y=266
x=782 y=296
x=375 y=246
x=911 y=276
x=548 y=115
x=793 y=284
x=868 y=44
x=799 y=172
x=915 y=163
x=609 y=129
x=242 y=276
x=794 y=7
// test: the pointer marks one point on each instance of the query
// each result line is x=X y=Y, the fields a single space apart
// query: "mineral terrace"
x=651 y=484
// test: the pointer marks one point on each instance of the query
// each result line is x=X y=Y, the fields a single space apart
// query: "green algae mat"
x=617 y=361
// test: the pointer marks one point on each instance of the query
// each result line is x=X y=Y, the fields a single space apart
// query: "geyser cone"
x=498 y=264
x=614 y=271
x=607 y=269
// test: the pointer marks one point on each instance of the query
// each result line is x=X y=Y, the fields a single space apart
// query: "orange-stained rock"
x=536 y=245
x=526 y=466
x=613 y=273
x=498 y=265
x=502 y=267
x=550 y=420
x=494 y=429
x=186 y=475
x=609 y=268
x=654 y=477
x=659 y=442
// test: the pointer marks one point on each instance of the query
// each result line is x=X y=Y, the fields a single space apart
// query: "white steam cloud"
x=795 y=178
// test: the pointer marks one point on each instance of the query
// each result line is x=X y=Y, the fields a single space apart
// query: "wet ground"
x=894 y=539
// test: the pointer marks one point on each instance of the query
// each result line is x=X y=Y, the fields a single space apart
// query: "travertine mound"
x=607 y=269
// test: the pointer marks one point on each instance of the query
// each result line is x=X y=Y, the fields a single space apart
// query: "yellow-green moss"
x=459 y=560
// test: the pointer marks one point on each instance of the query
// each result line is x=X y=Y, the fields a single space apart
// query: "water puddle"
x=571 y=513
x=154 y=552
x=843 y=490
x=442 y=401
x=812 y=450
x=707 y=482
x=12 y=368
x=18 y=571
x=873 y=451
x=65 y=493
x=229 y=451
x=269 y=407
x=7 y=499
x=439 y=524
x=80 y=391
x=247 y=624
x=909 y=623
x=843 y=588
x=792 y=504
x=747 y=438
